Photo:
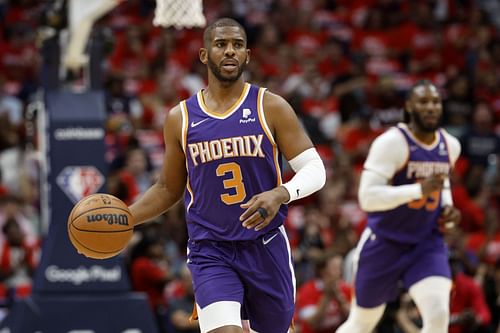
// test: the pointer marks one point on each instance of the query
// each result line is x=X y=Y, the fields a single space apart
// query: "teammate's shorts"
x=257 y=274
x=383 y=264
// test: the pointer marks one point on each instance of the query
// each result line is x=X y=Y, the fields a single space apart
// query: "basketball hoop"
x=179 y=13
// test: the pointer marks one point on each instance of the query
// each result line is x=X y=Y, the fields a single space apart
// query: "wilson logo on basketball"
x=121 y=219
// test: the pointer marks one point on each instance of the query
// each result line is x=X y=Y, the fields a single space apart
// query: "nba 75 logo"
x=79 y=181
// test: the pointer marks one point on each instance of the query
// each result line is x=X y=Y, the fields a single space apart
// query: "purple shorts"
x=384 y=264
x=258 y=274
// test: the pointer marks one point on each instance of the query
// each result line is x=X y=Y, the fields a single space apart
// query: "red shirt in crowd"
x=467 y=295
x=472 y=214
x=147 y=277
x=488 y=245
x=308 y=297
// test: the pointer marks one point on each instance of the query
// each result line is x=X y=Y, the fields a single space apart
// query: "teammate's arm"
x=297 y=148
x=172 y=181
x=450 y=215
x=387 y=154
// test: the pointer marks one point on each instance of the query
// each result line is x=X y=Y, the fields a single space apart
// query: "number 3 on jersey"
x=235 y=183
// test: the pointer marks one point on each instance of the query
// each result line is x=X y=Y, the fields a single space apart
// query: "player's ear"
x=248 y=56
x=203 y=55
x=408 y=106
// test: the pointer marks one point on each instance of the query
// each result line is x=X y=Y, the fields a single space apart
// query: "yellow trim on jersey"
x=263 y=124
x=262 y=116
x=228 y=112
x=417 y=141
x=185 y=126
x=185 y=122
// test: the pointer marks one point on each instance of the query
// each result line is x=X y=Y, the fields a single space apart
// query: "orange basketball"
x=100 y=226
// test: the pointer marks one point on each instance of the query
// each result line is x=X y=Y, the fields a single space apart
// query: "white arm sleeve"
x=310 y=174
x=388 y=153
x=375 y=194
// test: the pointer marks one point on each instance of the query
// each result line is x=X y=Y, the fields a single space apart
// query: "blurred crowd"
x=345 y=66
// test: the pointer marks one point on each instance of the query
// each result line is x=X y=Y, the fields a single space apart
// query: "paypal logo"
x=245 y=117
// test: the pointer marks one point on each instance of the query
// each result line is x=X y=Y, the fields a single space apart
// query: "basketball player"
x=223 y=150
x=405 y=189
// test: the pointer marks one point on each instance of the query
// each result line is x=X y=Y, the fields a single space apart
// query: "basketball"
x=100 y=226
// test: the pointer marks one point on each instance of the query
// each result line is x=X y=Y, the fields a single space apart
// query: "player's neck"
x=219 y=94
x=426 y=137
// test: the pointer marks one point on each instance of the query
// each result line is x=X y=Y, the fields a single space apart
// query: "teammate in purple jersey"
x=223 y=150
x=405 y=189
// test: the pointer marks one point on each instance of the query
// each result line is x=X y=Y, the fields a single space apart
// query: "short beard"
x=218 y=74
x=423 y=127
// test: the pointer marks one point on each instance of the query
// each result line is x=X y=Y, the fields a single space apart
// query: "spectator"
x=136 y=165
x=149 y=273
x=323 y=302
x=11 y=108
x=181 y=303
x=469 y=312
x=124 y=111
x=313 y=240
x=488 y=276
x=357 y=138
x=122 y=186
x=481 y=145
x=456 y=241
x=14 y=162
x=17 y=259
x=128 y=59
x=11 y=208
x=458 y=105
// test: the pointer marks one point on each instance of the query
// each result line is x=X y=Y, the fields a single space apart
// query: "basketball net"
x=179 y=13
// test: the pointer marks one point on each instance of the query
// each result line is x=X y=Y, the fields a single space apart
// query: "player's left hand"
x=449 y=219
x=262 y=207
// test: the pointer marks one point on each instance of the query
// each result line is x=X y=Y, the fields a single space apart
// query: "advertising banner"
x=72 y=293
x=76 y=168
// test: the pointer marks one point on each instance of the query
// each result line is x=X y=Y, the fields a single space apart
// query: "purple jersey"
x=230 y=157
x=414 y=221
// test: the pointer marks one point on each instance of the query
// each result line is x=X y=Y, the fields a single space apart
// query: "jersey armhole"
x=185 y=122
x=262 y=116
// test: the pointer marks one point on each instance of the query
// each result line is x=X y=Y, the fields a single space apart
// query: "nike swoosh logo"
x=194 y=124
x=266 y=241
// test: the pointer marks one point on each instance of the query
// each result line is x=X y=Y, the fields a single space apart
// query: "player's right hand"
x=431 y=184
x=270 y=201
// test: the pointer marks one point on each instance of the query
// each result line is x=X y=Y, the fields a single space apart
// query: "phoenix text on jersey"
x=206 y=151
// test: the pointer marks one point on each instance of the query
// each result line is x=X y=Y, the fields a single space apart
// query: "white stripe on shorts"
x=355 y=258
x=290 y=262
